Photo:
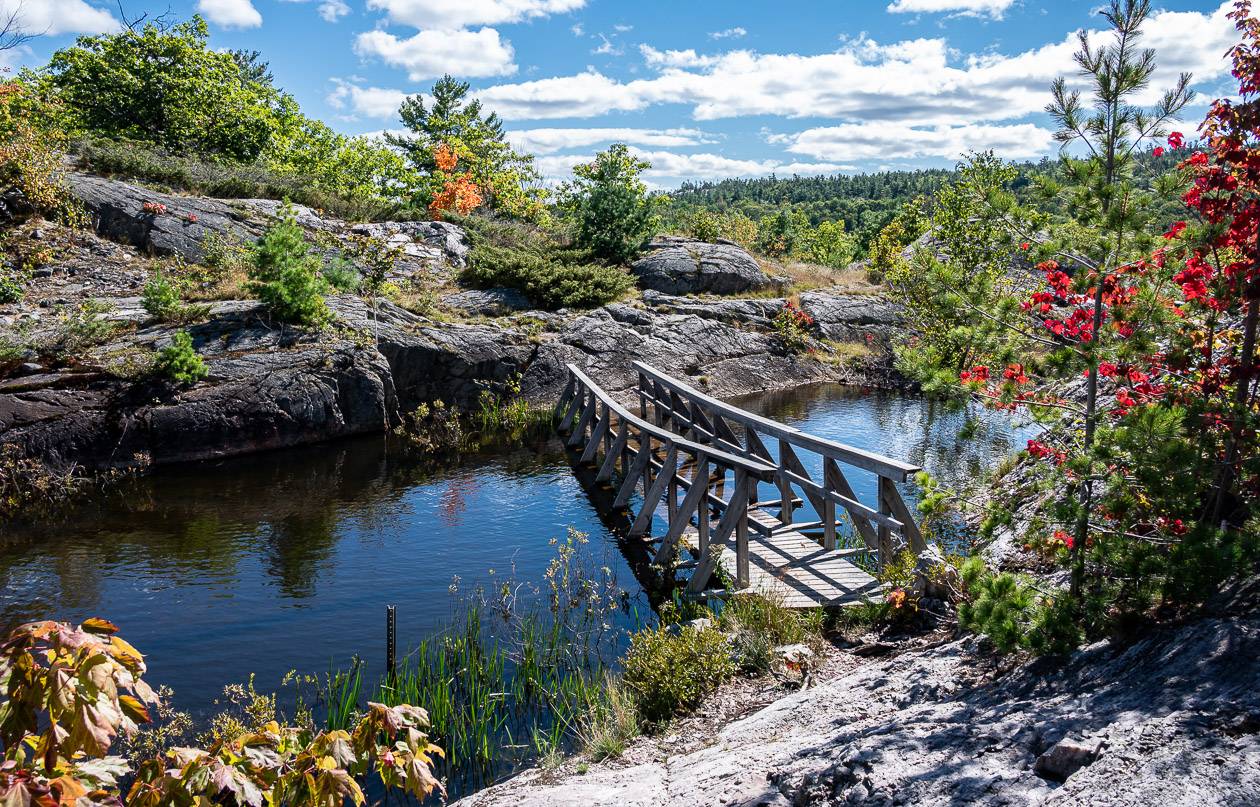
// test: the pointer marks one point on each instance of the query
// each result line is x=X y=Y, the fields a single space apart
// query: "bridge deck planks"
x=796 y=570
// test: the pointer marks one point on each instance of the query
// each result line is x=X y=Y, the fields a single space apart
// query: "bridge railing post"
x=742 y=482
x=885 y=508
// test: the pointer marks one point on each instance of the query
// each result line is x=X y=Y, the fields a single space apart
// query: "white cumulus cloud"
x=920 y=82
x=230 y=13
x=729 y=33
x=894 y=141
x=55 y=17
x=369 y=102
x=453 y=14
x=581 y=96
x=329 y=10
x=973 y=8
x=333 y=10
x=670 y=169
x=676 y=58
x=552 y=140
x=429 y=54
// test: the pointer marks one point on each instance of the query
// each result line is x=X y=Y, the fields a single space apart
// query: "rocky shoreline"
x=1173 y=718
x=272 y=386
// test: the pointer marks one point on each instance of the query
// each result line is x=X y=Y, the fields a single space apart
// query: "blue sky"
x=703 y=89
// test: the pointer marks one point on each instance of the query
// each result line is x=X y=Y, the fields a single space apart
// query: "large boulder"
x=495 y=302
x=160 y=223
x=165 y=224
x=676 y=265
x=848 y=317
x=432 y=241
x=838 y=316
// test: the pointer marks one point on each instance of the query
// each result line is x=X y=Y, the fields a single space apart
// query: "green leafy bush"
x=670 y=672
x=161 y=298
x=551 y=280
x=165 y=84
x=12 y=289
x=342 y=276
x=155 y=165
x=287 y=277
x=612 y=213
x=180 y=362
x=1014 y=614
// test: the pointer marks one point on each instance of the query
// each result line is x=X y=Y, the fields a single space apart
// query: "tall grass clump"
x=759 y=624
x=505 y=684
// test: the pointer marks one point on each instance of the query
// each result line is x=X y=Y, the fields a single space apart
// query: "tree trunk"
x=1242 y=392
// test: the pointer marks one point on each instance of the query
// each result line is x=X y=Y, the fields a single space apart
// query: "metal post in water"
x=391 y=639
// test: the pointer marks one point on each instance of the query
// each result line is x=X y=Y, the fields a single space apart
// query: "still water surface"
x=287 y=560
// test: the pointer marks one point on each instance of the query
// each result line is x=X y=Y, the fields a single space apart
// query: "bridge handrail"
x=876 y=463
x=760 y=470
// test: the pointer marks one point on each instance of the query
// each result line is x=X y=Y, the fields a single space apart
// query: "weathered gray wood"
x=785 y=486
x=753 y=467
x=789 y=460
x=644 y=520
x=757 y=448
x=597 y=434
x=664 y=417
x=680 y=414
x=701 y=423
x=735 y=513
x=571 y=411
x=884 y=533
x=615 y=451
x=741 y=531
x=569 y=390
x=884 y=466
x=910 y=531
x=588 y=412
x=682 y=516
x=851 y=505
x=837 y=482
x=700 y=448
x=724 y=431
x=638 y=468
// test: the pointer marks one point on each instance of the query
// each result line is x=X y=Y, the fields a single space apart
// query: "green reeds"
x=504 y=688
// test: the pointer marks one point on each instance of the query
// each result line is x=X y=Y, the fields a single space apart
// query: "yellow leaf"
x=68 y=789
x=134 y=709
x=125 y=650
x=98 y=625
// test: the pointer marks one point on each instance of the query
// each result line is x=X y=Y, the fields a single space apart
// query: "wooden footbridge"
x=703 y=464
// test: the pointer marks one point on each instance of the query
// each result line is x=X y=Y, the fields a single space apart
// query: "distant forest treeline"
x=866 y=202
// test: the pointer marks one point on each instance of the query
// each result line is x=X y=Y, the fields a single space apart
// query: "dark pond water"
x=287 y=560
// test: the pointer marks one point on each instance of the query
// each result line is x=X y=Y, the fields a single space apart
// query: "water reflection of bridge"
x=702 y=464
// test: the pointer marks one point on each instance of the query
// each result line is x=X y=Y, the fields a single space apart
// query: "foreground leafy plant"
x=70 y=692
x=671 y=670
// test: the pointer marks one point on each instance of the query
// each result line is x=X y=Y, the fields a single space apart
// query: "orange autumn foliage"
x=460 y=194
x=445 y=157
